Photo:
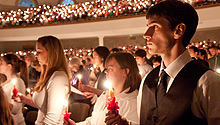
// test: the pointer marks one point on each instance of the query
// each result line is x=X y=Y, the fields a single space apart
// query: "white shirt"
x=127 y=103
x=144 y=69
x=17 y=107
x=50 y=101
x=206 y=101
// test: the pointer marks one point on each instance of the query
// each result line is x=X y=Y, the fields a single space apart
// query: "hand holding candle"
x=66 y=115
x=29 y=92
x=79 y=77
x=112 y=104
x=14 y=91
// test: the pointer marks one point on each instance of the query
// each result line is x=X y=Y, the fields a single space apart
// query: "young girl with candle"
x=99 y=56
x=123 y=73
x=53 y=87
x=15 y=70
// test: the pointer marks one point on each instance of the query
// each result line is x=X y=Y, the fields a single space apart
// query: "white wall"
x=7 y=2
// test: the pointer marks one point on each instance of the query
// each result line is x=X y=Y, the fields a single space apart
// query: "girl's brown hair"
x=126 y=60
x=56 y=61
x=18 y=66
x=5 y=113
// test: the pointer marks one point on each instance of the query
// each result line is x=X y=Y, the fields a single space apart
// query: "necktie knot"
x=162 y=87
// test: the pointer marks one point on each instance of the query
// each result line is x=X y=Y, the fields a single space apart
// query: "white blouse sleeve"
x=18 y=106
x=57 y=92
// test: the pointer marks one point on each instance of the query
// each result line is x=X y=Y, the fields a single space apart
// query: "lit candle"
x=29 y=91
x=13 y=82
x=66 y=104
x=112 y=104
x=94 y=67
x=79 y=77
x=14 y=91
x=66 y=115
x=109 y=86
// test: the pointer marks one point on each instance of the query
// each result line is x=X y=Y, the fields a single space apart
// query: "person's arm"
x=57 y=93
x=90 y=89
x=24 y=99
x=206 y=101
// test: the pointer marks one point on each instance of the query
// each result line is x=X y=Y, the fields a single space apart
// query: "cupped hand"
x=88 y=95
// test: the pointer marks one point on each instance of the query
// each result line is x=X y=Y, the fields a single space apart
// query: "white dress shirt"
x=17 y=107
x=206 y=101
x=127 y=103
x=50 y=101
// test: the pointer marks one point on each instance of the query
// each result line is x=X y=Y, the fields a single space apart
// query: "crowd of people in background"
x=99 y=9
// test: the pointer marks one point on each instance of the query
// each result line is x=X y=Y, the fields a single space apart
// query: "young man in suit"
x=180 y=91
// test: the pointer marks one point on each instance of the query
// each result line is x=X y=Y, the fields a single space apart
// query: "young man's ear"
x=179 y=30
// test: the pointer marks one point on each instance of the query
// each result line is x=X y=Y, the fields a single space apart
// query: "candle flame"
x=140 y=73
x=79 y=76
x=65 y=103
x=13 y=81
x=218 y=70
x=28 y=90
x=108 y=84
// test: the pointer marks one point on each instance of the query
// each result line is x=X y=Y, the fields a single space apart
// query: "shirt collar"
x=174 y=68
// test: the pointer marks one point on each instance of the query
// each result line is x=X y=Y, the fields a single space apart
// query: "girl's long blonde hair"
x=56 y=61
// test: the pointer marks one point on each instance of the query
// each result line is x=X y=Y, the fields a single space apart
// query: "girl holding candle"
x=99 y=56
x=123 y=73
x=53 y=87
x=11 y=66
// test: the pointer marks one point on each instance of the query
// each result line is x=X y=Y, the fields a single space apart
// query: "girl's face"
x=115 y=73
x=4 y=67
x=97 y=60
x=41 y=54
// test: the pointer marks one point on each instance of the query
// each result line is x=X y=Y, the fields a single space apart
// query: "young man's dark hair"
x=140 y=53
x=195 y=49
x=178 y=13
x=115 y=50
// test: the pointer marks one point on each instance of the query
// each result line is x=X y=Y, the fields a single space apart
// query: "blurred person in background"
x=29 y=58
x=156 y=61
x=144 y=68
x=77 y=69
x=194 y=53
x=215 y=59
